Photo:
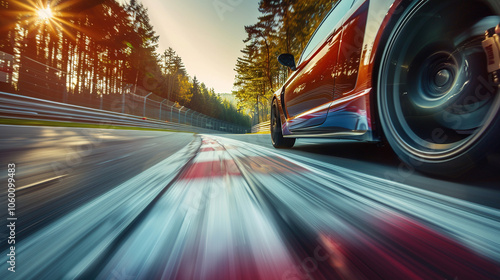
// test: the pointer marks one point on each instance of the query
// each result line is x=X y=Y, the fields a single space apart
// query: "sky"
x=207 y=34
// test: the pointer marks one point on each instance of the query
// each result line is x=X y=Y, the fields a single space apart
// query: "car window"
x=326 y=27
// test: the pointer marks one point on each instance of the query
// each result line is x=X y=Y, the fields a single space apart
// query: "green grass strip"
x=10 y=121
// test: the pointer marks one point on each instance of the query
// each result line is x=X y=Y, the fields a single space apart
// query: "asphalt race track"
x=118 y=204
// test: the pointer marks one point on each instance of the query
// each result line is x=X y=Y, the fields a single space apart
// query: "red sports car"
x=421 y=75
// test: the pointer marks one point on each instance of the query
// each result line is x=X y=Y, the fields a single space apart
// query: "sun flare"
x=45 y=14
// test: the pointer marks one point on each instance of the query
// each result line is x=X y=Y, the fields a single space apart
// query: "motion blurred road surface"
x=119 y=204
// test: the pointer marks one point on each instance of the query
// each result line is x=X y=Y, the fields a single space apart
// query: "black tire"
x=437 y=109
x=276 y=134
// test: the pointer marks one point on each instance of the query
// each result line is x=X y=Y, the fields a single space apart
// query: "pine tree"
x=144 y=59
x=196 y=97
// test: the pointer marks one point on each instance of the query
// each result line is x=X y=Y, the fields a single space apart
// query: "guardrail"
x=264 y=127
x=23 y=107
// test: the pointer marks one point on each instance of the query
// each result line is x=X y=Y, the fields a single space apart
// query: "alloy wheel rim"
x=432 y=80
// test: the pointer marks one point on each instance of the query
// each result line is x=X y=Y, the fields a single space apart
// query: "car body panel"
x=340 y=102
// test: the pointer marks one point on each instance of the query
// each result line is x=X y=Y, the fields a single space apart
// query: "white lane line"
x=114 y=159
x=40 y=182
x=210 y=146
x=209 y=156
x=149 y=145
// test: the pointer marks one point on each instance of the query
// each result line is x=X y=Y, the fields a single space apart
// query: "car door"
x=309 y=91
x=348 y=111
x=350 y=50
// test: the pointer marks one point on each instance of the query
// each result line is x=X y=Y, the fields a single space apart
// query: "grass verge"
x=9 y=121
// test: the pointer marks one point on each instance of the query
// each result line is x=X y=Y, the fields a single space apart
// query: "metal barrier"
x=16 y=106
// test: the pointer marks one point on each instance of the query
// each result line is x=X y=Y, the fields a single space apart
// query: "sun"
x=45 y=14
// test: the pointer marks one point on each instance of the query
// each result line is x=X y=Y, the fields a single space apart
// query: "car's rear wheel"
x=438 y=107
x=276 y=133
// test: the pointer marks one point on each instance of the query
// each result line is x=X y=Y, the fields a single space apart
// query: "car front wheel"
x=438 y=106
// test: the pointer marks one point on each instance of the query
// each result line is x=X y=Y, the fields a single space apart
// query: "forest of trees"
x=283 y=27
x=95 y=48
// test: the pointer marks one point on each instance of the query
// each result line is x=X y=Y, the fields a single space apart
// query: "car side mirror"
x=287 y=60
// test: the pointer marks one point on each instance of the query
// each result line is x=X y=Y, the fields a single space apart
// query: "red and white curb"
x=206 y=226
